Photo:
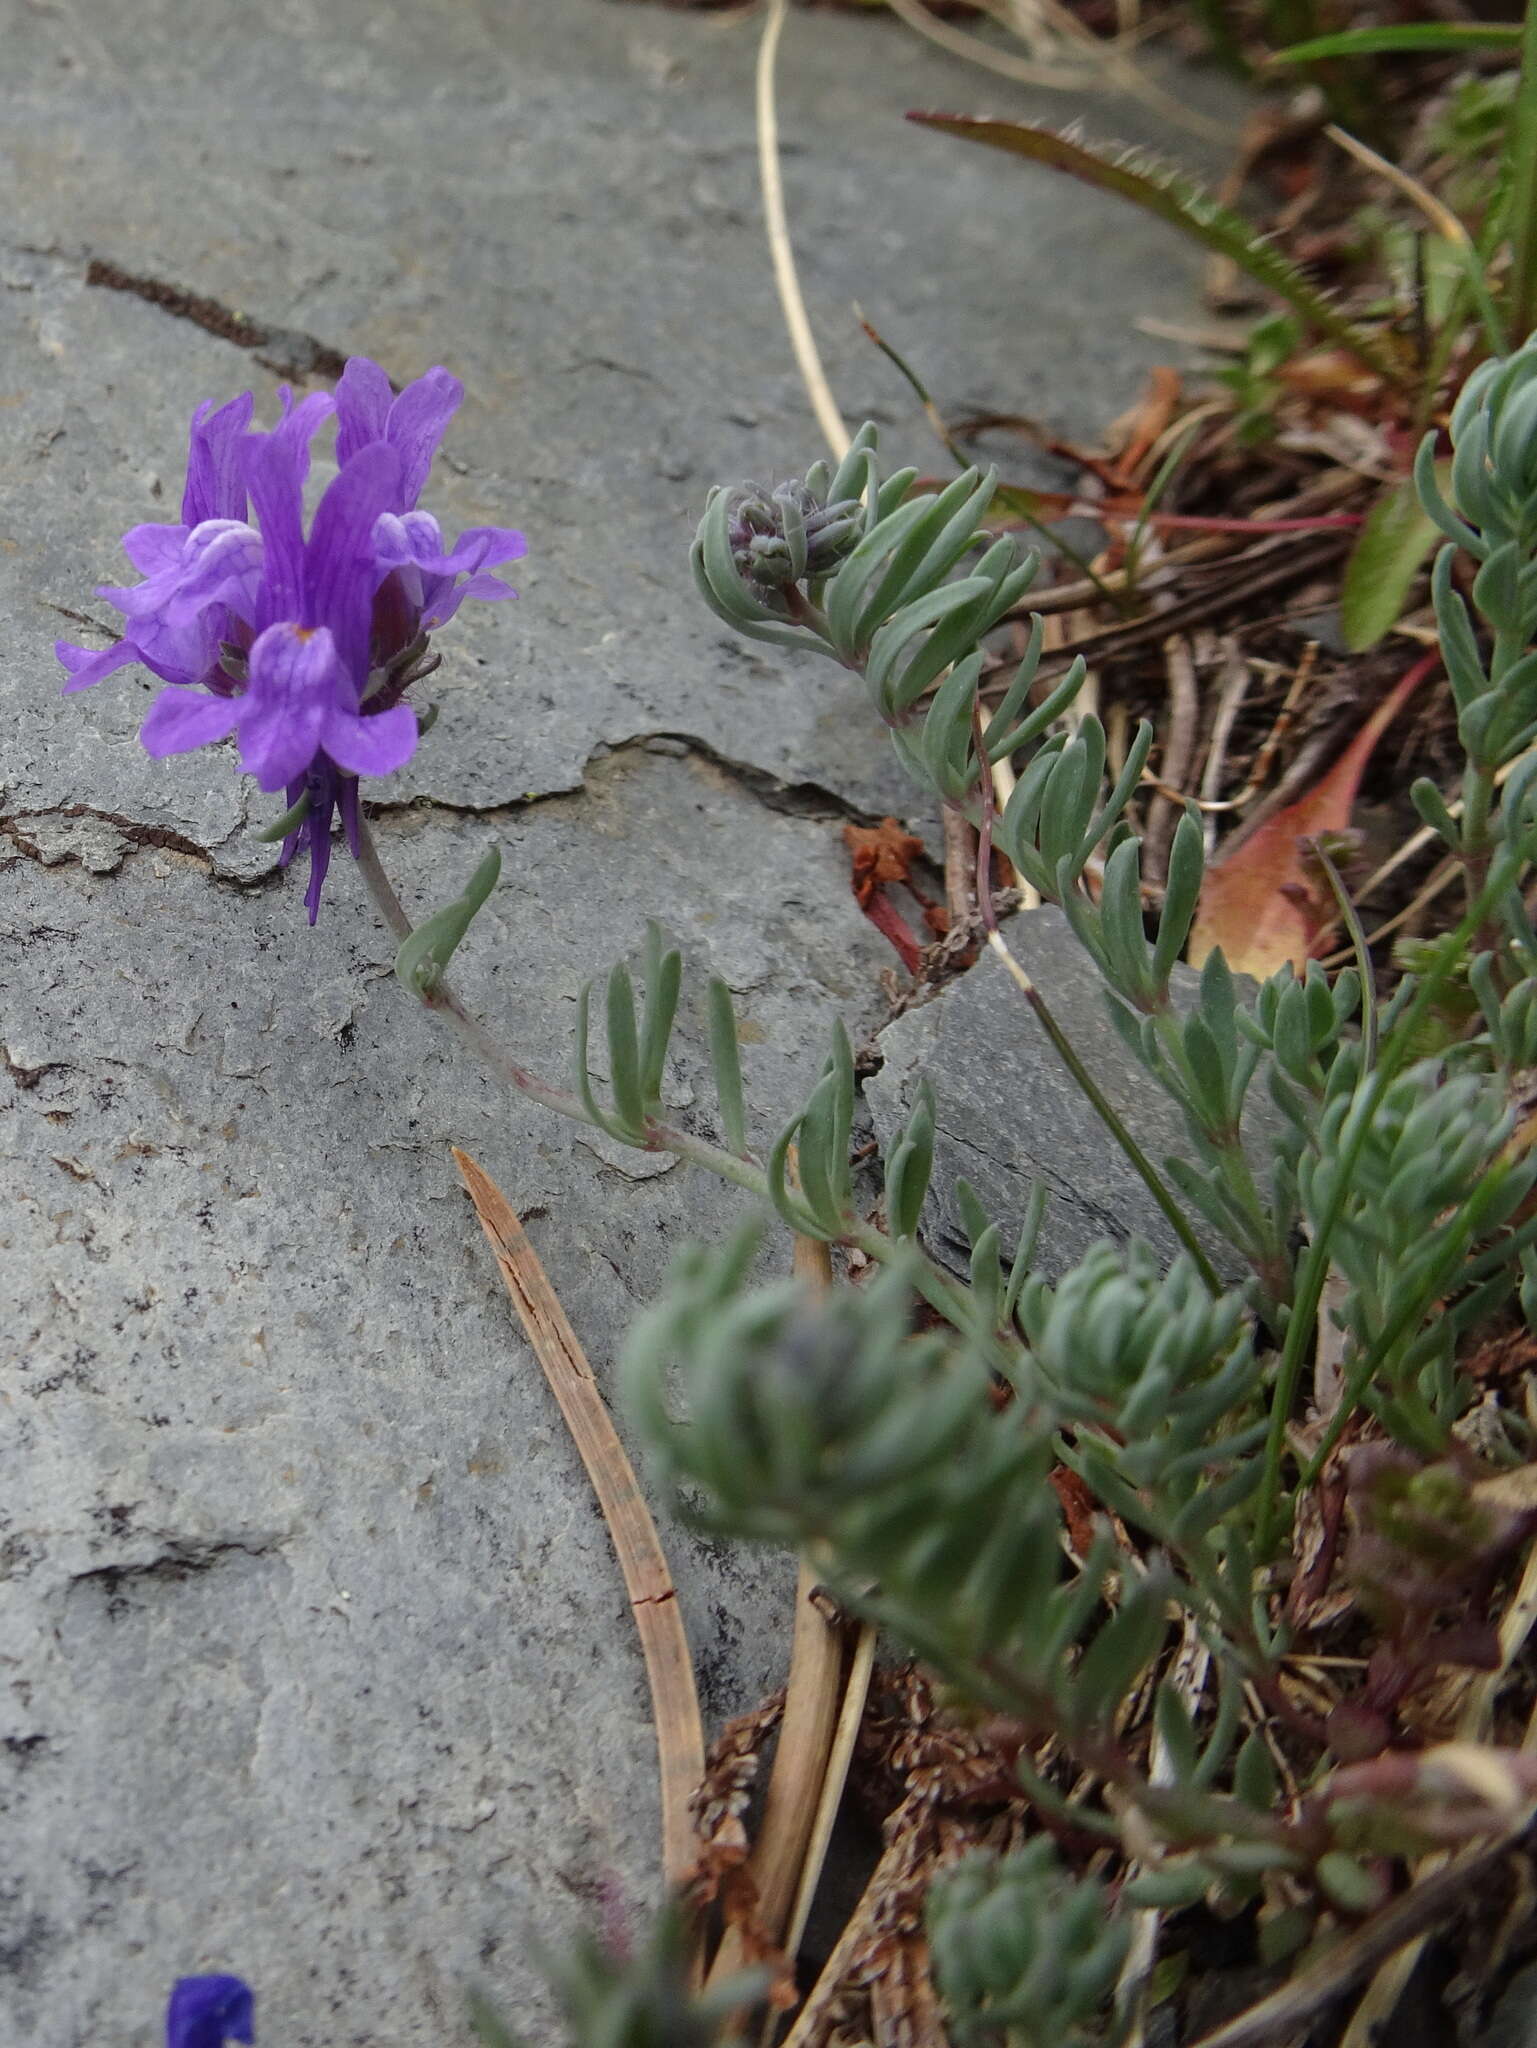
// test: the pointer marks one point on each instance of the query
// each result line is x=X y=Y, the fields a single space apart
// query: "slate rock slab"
x=314 y=1663
x=1008 y=1115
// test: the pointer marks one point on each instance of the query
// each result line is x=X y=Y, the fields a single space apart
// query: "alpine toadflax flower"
x=301 y=646
x=206 y=2012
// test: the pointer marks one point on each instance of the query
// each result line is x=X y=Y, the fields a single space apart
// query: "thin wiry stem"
x=1151 y=1179
x=802 y=340
x=942 y=1292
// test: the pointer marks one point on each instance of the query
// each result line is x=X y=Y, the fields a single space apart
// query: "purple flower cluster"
x=301 y=646
x=207 y=2012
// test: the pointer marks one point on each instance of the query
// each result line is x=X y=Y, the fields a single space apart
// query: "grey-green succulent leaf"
x=423 y=957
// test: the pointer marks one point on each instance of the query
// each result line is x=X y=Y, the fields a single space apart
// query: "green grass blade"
x=1520 y=171
x=1389 y=553
x=1171 y=196
x=1408 y=38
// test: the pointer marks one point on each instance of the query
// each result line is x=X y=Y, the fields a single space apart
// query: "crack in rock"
x=181 y=1559
x=52 y=845
x=26 y=1075
x=803 y=799
x=284 y=350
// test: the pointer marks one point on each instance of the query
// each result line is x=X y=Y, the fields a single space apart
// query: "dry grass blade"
x=1280 y=2017
x=812 y=2019
x=1164 y=812
x=802 y=340
x=675 y=1704
x=850 y=1716
x=805 y=1733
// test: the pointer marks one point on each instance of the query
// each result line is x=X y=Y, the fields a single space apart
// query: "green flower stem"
x=1477 y=838
x=1350 y=917
x=1178 y=1222
x=1151 y=1179
x=943 y=1293
x=444 y=1000
x=1267 y=1249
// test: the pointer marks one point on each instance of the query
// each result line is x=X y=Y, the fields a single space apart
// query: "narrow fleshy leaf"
x=422 y=958
x=726 y=1065
x=624 y=1073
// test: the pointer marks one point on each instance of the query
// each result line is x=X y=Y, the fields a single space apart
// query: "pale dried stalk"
x=1441 y=218
x=850 y=1717
x=802 y=340
x=1022 y=70
x=960 y=865
x=1191 y=1666
x=653 y=1597
x=1163 y=813
x=813 y=2015
x=1236 y=676
x=805 y=1730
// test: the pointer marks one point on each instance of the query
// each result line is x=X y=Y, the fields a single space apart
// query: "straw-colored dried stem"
x=1163 y=812
x=960 y=866
x=851 y=1715
x=805 y=1732
x=812 y=2019
x=653 y=1597
x=776 y=221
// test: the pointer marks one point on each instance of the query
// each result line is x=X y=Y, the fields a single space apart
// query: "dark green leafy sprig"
x=1025 y=1955
x=618 y=1997
x=1158 y=1381
x=924 y=1505
x=1058 y=817
x=1423 y=1222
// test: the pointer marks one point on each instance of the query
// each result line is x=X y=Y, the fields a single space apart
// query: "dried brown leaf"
x=1261 y=905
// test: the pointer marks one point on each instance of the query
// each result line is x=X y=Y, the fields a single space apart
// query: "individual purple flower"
x=301 y=646
x=206 y=2012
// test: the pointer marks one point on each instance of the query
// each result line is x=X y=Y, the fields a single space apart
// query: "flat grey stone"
x=1009 y=1117
x=561 y=203
x=314 y=1660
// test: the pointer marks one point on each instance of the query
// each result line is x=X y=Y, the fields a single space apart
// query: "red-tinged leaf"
x=891 y=924
x=882 y=857
x=1261 y=905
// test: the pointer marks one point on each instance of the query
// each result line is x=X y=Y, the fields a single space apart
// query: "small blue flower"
x=205 y=2012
